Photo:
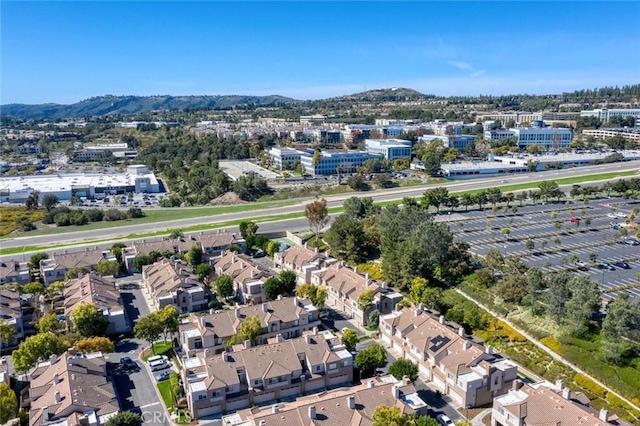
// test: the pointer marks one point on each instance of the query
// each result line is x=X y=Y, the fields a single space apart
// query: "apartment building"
x=11 y=313
x=55 y=268
x=459 y=365
x=288 y=317
x=100 y=292
x=390 y=149
x=344 y=287
x=353 y=406
x=70 y=390
x=301 y=260
x=212 y=245
x=14 y=272
x=248 y=278
x=543 y=403
x=172 y=282
x=232 y=381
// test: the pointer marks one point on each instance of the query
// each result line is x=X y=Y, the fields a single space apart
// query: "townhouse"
x=12 y=272
x=257 y=375
x=11 y=313
x=214 y=243
x=459 y=365
x=248 y=278
x=55 y=268
x=100 y=292
x=543 y=403
x=70 y=389
x=344 y=287
x=301 y=260
x=172 y=282
x=353 y=406
x=288 y=317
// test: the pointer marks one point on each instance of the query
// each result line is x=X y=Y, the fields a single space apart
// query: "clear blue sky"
x=68 y=51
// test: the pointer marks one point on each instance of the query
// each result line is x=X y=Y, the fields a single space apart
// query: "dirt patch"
x=228 y=199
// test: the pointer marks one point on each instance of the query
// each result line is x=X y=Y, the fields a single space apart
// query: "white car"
x=621 y=215
x=444 y=420
x=158 y=365
x=158 y=358
x=612 y=215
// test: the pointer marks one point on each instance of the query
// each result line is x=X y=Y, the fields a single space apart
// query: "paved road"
x=332 y=201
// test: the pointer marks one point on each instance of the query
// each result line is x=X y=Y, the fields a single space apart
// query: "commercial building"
x=172 y=282
x=391 y=149
x=459 y=365
x=605 y=114
x=248 y=278
x=547 y=138
x=55 y=268
x=100 y=292
x=11 y=313
x=94 y=152
x=631 y=134
x=14 y=272
x=543 y=403
x=257 y=375
x=458 y=142
x=288 y=317
x=329 y=161
x=284 y=158
x=137 y=178
x=71 y=390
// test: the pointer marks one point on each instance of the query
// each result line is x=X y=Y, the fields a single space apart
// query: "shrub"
x=112 y=215
x=62 y=219
x=594 y=389
x=552 y=343
x=94 y=215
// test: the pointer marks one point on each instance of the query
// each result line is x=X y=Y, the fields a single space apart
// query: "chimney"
x=252 y=273
x=461 y=332
x=604 y=415
x=275 y=409
x=264 y=308
x=366 y=276
x=315 y=330
x=247 y=344
x=225 y=356
x=312 y=412
x=279 y=338
x=53 y=359
x=279 y=297
x=262 y=423
x=466 y=345
x=56 y=378
x=237 y=312
x=566 y=393
x=405 y=380
x=307 y=339
x=355 y=269
x=45 y=413
x=207 y=352
x=441 y=319
x=371 y=384
x=559 y=385
x=488 y=349
x=211 y=311
x=421 y=306
x=417 y=312
x=396 y=391
x=58 y=397
x=517 y=384
x=351 y=402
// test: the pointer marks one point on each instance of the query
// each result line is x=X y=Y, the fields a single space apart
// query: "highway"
x=80 y=237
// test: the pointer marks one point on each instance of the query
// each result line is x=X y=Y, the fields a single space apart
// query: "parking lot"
x=564 y=236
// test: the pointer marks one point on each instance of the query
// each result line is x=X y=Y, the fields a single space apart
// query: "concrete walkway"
x=477 y=420
x=551 y=353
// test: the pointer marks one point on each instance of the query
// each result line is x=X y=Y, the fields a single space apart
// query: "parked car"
x=128 y=363
x=444 y=420
x=163 y=376
x=622 y=264
x=259 y=253
x=158 y=365
x=158 y=358
x=631 y=241
x=612 y=215
x=605 y=265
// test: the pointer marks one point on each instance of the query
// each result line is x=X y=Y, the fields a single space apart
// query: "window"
x=217 y=394
x=273 y=380
x=228 y=389
x=333 y=366
x=201 y=397
x=257 y=382
x=198 y=343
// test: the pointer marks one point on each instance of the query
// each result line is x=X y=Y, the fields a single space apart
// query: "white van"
x=157 y=358
x=159 y=364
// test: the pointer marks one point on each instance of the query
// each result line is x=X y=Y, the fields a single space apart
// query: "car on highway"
x=622 y=264
x=444 y=420
x=622 y=215
x=163 y=376
x=128 y=363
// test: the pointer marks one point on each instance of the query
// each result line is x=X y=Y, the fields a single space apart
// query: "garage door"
x=312 y=386
x=398 y=347
x=457 y=398
x=439 y=382
x=292 y=391
x=338 y=380
x=214 y=409
x=269 y=396
x=238 y=404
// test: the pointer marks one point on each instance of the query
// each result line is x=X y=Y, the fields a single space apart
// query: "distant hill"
x=105 y=105
x=395 y=94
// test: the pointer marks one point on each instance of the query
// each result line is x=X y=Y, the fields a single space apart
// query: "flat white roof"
x=191 y=362
x=512 y=397
x=192 y=332
x=197 y=386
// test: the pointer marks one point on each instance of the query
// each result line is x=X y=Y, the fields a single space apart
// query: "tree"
x=75 y=272
x=371 y=358
x=176 y=233
x=35 y=348
x=250 y=186
x=273 y=288
x=530 y=245
x=357 y=182
x=248 y=231
x=403 y=367
x=108 y=267
x=350 y=339
x=203 y=271
x=168 y=317
x=317 y=214
x=315 y=294
x=272 y=248
x=7 y=333
x=584 y=302
x=34 y=261
x=48 y=323
x=426 y=421
x=347 y=239
x=149 y=329
x=8 y=403
x=88 y=320
x=94 y=344
x=33 y=288
x=383 y=180
x=390 y=416
x=174 y=385
x=33 y=200
x=549 y=189
x=250 y=329
x=224 y=286
x=288 y=279
x=621 y=329
x=194 y=255
x=365 y=300
x=125 y=418
x=506 y=232
x=49 y=201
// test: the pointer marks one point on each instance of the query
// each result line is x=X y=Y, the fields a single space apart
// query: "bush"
x=593 y=389
x=112 y=215
x=135 y=212
x=94 y=215
x=24 y=224
x=62 y=219
x=403 y=367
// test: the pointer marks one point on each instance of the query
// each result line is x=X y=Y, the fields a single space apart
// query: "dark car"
x=128 y=362
x=605 y=265
x=259 y=253
x=623 y=265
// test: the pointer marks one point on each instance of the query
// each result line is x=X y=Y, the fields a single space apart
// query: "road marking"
x=150 y=405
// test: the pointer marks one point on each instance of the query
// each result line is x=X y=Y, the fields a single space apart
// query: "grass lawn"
x=160 y=348
x=165 y=391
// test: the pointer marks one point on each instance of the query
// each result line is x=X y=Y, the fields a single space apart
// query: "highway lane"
x=78 y=237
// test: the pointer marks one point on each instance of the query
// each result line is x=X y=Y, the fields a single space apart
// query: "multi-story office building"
x=284 y=158
x=605 y=114
x=391 y=149
x=545 y=137
x=329 y=161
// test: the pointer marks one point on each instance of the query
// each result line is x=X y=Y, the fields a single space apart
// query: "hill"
x=395 y=94
x=106 y=105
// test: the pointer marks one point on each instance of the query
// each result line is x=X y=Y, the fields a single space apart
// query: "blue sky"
x=68 y=51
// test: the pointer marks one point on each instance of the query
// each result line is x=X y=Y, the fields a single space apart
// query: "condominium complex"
x=172 y=282
x=13 y=272
x=55 y=268
x=248 y=277
x=11 y=314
